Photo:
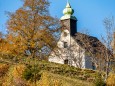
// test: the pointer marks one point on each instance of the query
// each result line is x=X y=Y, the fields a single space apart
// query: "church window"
x=93 y=66
x=66 y=61
x=65 y=45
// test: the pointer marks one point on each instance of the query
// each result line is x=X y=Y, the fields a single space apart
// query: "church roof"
x=91 y=44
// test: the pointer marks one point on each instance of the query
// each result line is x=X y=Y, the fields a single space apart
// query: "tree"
x=1 y=35
x=113 y=47
x=101 y=53
x=4 y=47
x=31 y=30
x=76 y=55
x=1 y=42
x=107 y=40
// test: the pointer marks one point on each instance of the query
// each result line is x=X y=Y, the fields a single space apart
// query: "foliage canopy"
x=31 y=30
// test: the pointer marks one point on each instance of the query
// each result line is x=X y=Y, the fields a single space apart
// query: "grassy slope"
x=68 y=76
x=67 y=81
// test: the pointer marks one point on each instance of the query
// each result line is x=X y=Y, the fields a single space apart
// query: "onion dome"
x=68 y=12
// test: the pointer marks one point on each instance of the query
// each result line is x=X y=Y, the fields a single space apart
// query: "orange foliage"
x=3 y=69
x=31 y=29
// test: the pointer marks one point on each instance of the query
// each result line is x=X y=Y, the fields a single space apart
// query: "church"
x=75 y=48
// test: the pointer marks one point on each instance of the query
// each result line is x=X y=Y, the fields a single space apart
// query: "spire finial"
x=67 y=1
x=68 y=4
x=68 y=11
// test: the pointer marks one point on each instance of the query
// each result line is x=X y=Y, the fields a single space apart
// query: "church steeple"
x=68 y=20
x=68 y=12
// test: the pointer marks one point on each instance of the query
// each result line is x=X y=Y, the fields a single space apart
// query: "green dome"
x=68 y=10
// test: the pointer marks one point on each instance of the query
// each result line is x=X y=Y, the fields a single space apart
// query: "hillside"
x=47 y=74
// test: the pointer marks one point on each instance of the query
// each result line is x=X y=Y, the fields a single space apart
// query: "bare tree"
x=107 y=40
x=77 y=55
x=91 y=46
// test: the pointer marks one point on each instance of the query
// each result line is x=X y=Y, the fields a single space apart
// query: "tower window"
x=65 y=45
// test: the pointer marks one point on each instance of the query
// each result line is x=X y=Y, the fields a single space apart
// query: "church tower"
x=68 y=20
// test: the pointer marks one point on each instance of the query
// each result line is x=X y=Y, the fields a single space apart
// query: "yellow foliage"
x=29 y=30
x=111 y=80
x=47 y=80
x=3 y=69
x=3 y=66
x=18 y=70
x=44 y=80
x=14 y=76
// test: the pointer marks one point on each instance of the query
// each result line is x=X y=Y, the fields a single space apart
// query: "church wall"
x=75 y=54
x=68 y=51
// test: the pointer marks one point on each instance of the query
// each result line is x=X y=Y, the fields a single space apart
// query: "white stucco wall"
x=73 y=52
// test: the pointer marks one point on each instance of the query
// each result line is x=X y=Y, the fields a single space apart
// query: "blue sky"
x=90 y=13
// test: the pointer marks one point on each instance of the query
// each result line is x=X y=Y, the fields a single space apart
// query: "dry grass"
x=59 y=80
x=54 y=75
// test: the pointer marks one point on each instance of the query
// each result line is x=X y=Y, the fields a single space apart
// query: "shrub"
x=111 y=80
x=31 y=73
x=14 y=76
x=99 y=81
x=48 y=80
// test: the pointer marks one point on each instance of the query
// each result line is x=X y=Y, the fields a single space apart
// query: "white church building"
x=75 y=48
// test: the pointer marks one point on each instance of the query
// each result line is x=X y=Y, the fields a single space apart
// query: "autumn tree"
x=1 y=35
x=113 y=48
x=31 y=30
x=4 y=48
x=2 y=45
x=0 y=42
